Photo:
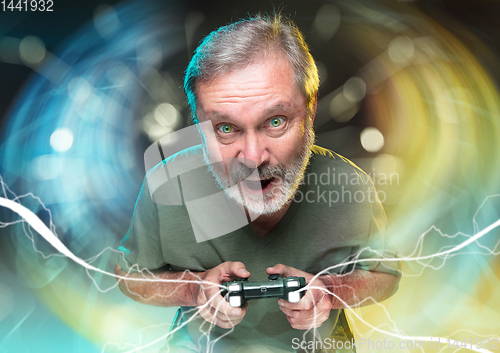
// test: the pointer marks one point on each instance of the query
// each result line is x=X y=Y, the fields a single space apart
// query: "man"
x=255 y=83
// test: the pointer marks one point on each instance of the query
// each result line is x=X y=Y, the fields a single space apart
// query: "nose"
x=253 y=151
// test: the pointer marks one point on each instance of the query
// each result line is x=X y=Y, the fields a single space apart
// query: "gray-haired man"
x=256 y=84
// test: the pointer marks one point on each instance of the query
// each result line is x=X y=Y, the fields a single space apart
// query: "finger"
x=207 y=315
x=278 y=269
x=211 y=290
x=238 y=269
x=306 y=303
x=221 y=304
x=320 y=312
x=299 y=314
x=219 y=315
x=220 y=319
x=307 y=326
x=226 y=272
x=311 y=298
x=235 y=314
x=290 y=313
x=214 y=299
x=308 y=323
x=306 y=314
x=287 y=271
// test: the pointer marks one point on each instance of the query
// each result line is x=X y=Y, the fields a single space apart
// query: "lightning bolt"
x=48 y=234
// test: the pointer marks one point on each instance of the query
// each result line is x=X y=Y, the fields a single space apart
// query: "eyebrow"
x=278 y=106
x=214 y=114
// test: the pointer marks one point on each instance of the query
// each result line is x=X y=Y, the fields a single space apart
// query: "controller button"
x=293 y=283
x=273 y=277
x=294 y=297
x=235 y=301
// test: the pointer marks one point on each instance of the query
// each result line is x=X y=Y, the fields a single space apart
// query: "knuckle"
x=236 y=265
x=326 y=306
x=308 y=305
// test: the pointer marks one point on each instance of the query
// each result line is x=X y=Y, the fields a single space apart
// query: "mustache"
x=239 y=172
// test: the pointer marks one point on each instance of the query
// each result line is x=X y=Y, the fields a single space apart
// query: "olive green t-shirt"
x=335 y=214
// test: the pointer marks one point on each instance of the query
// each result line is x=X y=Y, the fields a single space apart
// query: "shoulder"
x=192 y=155
x=164 y=180
x=325 y=160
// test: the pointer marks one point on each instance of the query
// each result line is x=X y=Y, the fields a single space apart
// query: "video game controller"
x=239 y=292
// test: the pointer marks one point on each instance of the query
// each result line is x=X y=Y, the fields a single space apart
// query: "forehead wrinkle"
x=251 y=90
x=227 y=95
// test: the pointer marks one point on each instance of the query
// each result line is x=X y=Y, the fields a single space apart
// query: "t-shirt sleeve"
x=141 y=247
x=377 y=254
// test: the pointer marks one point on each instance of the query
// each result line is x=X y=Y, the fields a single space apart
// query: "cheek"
x=210 y=141
x=287 y=147
x=227 y=151
x=214 y=152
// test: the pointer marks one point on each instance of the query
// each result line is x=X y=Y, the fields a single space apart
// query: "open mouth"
x=257 y=185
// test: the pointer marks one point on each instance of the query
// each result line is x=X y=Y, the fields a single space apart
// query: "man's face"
x=260 y=121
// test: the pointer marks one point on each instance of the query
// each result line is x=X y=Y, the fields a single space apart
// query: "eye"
x=225 y=129
x=276 y=122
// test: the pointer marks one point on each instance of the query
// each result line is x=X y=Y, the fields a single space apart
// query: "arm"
x=154 y=292
x=360 y=288
x=353 y=288
x=200 y=289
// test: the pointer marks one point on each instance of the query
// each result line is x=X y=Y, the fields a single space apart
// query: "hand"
x=314 y=307
x=211 y=304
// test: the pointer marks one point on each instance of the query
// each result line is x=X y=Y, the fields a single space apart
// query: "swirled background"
x=409 y=92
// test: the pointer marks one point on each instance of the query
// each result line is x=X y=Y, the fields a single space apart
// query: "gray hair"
x=238 y=44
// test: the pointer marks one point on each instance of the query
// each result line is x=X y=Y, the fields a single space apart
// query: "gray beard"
x=281 y=193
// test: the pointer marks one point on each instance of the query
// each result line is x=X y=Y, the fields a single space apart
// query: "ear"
x=315 y=105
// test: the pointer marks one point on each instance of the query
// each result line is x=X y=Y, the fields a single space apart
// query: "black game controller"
x=238 y=292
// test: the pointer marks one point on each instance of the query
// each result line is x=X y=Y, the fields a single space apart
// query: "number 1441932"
x=27 y=5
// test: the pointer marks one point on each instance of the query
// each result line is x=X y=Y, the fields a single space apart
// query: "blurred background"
x=409 y=92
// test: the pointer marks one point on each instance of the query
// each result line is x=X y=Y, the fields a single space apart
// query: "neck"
x=264 y=224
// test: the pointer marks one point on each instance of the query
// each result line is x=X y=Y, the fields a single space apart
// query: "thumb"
x=279 y=269
x=239 y=269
